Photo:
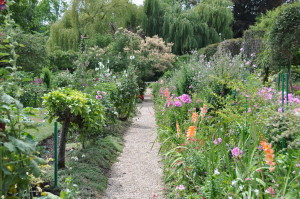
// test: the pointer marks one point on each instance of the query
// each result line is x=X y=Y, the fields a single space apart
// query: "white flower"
x=74 y=158
x=101 y=65
x=131 y=57
x=83 y=156
x=241 y=187
x=96 y=69
x=234 y=183
x=217 y=172
x=256 y=191
x=229 y=197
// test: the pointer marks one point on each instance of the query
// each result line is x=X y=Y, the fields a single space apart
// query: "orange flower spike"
x=191 y=132
x=195 y=117
x=269 y=154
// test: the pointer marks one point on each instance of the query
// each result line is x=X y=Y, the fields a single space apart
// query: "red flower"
x=2 y=4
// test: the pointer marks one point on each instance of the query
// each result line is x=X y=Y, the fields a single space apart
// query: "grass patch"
x=45 y=129
x=88 y=167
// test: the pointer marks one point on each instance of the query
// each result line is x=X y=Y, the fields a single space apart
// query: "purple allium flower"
x=99 y=92
x=185 y=98
x=236 y=152
x=177 y=103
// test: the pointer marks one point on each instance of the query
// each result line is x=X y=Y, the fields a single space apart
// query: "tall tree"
x=153 y=20
x=88 y=18
x=189 y=29
x=246 y=11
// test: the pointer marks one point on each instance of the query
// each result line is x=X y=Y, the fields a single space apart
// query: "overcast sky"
x=138 y=2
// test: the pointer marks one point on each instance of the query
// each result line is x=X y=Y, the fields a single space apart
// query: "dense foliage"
x=225 y=135
x=208 y=22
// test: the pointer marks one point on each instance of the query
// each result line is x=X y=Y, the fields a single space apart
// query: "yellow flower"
x=44 y=194
x=11 y=168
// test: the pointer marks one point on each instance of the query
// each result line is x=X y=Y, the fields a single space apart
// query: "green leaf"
x=22 y=146
x=10 y=146
x=260 y=182
x=4 y=61
x=21 y=45
x=35 y=168
x=4 y=54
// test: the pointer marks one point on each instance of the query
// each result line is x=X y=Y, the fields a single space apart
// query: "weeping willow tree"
x=64 y=34
x=153 y=20
x=189 y=29
x=88 y=18
x=218 y=15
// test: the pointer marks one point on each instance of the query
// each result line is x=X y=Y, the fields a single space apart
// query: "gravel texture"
x=138 y=172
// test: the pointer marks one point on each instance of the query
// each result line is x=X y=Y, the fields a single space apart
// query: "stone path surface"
x=138 y=172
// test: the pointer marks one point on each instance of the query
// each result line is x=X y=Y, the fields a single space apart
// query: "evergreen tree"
x=246 y=11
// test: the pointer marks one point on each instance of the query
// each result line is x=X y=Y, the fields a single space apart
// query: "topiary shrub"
x=253 y=42
x=285 y=36
x=231 y=46
x=74 y=109
x=209 y=51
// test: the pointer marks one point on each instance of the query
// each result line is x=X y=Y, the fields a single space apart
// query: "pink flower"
x=177 y=103
x=216 y=142
x=180 y=187
x=247 y=179
x=297 y=165
x=236 y=152
x=220 y=140
x=271 y=191
x=98 y=96
x=297 y=111
x=185 y=98
x=242 y=49
x=280 y=110
x=249 y=110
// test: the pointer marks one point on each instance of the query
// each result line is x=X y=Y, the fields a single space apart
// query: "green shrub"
x=230 y=46
x=209 y=51
x=32 y=53
x=284 y=36
x=47 y=77
x=63 y=60
x=74 y=109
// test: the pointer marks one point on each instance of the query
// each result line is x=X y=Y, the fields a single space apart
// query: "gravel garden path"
x=138 y=172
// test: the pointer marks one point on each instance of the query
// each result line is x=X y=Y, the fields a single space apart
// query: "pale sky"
x=138 y=2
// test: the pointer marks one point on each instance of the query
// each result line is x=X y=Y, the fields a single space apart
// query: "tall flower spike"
x=191 y=132
x=195 y=117
x=269 y=154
